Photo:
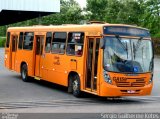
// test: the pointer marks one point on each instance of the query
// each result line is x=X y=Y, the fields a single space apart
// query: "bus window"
x=8 y=39
x=14 y=43
x=20 y=40
x=75 y=44
x=48 y=42
x=28 y=40
x=58 y=43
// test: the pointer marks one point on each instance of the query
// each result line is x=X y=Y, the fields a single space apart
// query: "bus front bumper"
x=114 y=91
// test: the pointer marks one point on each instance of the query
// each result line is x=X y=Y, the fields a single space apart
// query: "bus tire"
x=24 y=73
x=76 y=86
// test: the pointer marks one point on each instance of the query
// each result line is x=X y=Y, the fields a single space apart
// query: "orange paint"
x=59 y=61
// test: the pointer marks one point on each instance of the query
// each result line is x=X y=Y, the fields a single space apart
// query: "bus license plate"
x=131 y=91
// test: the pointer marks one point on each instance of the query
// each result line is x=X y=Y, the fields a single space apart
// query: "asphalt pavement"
x=43 y=97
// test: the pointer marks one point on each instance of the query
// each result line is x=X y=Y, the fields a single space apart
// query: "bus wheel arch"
x=74 y=84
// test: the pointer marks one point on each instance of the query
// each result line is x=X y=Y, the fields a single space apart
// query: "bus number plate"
x=131 y=91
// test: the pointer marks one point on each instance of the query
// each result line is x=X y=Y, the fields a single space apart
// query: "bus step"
x=37 y=78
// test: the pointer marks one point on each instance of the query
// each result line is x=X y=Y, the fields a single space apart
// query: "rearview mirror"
x=102 y=43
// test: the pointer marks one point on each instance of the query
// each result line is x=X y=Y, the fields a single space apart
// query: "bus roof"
x=69 y=27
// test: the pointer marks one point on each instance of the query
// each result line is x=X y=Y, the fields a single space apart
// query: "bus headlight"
x=107 y=77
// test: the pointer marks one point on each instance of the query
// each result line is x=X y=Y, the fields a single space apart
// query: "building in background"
x=12 y=11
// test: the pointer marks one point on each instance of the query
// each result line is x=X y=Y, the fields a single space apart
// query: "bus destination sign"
x=126 y=31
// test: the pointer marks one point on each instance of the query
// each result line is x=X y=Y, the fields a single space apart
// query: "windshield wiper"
x=123 y=46
x=135 y=48
x=138 y=43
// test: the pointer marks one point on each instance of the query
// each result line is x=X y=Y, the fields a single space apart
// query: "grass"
x=2 y=41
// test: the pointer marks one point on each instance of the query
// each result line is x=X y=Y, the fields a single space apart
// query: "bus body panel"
x=57 y=67
x=7 y=58
x=123 y=84
x=24 y=56
x=114 y=91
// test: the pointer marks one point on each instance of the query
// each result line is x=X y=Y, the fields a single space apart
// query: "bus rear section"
x=10 y=50
x=127 y=62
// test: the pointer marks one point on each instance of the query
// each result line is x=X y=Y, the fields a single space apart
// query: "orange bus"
x=102 y=59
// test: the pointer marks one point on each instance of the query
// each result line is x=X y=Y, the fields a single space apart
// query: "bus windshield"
x=128 y=55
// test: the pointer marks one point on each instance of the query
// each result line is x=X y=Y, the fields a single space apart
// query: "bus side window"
x=14 y=43
x=28 y=40
x=8 y=39
x=75 y=43
x=20 y=40
x=48 y=42
x=58 y=43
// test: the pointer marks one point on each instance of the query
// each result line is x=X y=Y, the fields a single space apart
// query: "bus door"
x=92 y=63
x=38 y=55
x=13 y=51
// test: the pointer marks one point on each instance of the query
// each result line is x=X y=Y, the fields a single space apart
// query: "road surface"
x=43 y=97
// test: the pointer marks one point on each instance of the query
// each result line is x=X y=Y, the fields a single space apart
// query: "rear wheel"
x=24 y=73
x=76 y=86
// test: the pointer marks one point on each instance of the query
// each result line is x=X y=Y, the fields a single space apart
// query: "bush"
x=157 y=35
x=156 y=42
x=2 y=41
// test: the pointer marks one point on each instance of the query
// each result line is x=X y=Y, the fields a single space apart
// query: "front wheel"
x=24 y=73
x=76 y=86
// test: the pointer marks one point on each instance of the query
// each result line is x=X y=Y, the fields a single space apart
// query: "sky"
x=82 y=3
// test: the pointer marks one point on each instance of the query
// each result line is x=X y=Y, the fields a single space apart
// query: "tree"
x=152 y=16
x=97 y=8
x=130 y=12
x=70 y=14
x=2 y=30
x=112 y=11
x=145 y=13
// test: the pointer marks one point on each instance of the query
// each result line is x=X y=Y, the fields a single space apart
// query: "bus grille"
x=137 y=83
